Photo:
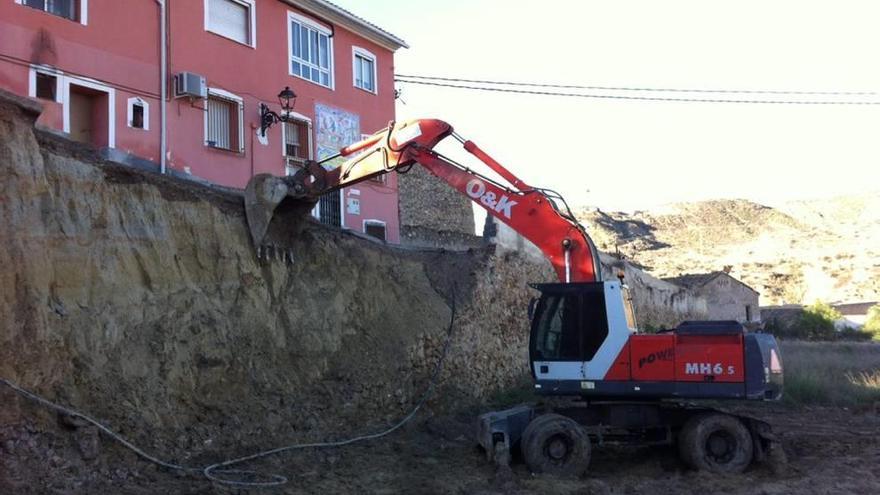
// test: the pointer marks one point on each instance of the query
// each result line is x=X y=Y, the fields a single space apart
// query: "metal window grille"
x=63 y=8
x=224 y=124
x=330 y=209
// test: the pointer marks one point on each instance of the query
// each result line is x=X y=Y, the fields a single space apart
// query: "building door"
x=89 y=119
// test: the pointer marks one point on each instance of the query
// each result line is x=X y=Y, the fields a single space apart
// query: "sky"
x=629 y=155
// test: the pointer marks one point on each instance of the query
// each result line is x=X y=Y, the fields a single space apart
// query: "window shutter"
x=230 y=19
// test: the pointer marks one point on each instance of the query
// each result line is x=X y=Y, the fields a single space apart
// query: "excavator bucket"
x=292 y=197
x=267 y=197
x=264 y=192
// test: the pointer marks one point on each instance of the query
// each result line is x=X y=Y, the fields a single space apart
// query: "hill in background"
x=798 y=252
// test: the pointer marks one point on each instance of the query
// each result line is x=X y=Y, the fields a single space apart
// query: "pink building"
x=98 y=68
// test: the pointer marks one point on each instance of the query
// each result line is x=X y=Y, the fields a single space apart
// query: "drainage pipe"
x=163 y=89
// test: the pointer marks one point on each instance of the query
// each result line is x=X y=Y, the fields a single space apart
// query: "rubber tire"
x=693 y=437
x=536 y=437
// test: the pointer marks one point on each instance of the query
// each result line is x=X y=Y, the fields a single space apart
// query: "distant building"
x=854 y=314
x=96 y=66
x=726 y=297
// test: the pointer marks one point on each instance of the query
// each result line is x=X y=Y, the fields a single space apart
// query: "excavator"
x=602 y=379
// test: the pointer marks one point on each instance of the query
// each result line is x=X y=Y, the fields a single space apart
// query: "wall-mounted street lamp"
x=268 y=118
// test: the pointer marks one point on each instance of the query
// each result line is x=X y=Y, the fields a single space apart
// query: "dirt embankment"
x=138 y=299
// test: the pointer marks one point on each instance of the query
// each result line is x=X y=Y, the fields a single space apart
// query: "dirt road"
x=829 y=450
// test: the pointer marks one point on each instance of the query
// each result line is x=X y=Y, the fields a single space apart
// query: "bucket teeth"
x=274 y=252
x=262 y=195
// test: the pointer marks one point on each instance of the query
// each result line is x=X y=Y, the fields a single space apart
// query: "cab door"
x=569 y=326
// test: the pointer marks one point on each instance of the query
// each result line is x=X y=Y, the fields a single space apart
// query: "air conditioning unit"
x=187 y=84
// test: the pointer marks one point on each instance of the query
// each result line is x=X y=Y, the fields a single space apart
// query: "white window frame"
x=46 y=71
x=62 y=96
x=305 y=21
x=252 y=16
x=83 y=11
x=376 y=221
x=308 y=122
x=219 y=93
x=356 y=52
x=302 y=118
x=143 y=103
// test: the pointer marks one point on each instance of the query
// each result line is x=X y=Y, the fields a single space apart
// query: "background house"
x=726 y=297
x=98 y=69
x=854 y=315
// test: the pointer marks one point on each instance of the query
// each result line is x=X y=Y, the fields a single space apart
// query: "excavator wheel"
x=717 y=443
x=557 y=445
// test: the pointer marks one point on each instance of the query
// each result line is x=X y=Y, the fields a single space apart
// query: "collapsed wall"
x=138 y=299
x=433 y=213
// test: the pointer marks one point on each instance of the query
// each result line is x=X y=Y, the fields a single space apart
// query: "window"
x=233 y=19
x=296 y=140
x=559 y=336
x=364 y=69
x=330 y=208
x=628 y=308
x=375 y=228
x=47 y=86
x=297 y=143
x=62 y=8
x=223 y=121
x=571 y=325
x=138 y=114
x=311 y=51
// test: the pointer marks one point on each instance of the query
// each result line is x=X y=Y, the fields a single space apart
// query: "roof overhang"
x=343 y=18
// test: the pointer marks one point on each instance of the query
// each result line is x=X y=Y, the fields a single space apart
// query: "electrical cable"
x=57 y=71
x=631 y=88
x=637 y=98
x=212 y=471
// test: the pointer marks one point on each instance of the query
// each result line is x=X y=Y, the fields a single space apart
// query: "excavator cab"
x=578 y=331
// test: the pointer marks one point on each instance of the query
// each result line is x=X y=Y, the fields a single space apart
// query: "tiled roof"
x=355 y=23
x=697 y=280
x=693 y=280
x=854 y=308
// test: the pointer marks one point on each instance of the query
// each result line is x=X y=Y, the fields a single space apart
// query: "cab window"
x=570 y=327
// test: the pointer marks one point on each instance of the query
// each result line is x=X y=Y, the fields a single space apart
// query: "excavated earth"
x=138 y=299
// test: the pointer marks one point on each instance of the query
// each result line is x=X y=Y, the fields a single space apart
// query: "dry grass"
x=832 y=373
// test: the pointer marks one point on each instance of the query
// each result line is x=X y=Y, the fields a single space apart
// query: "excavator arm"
x=532 y=212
